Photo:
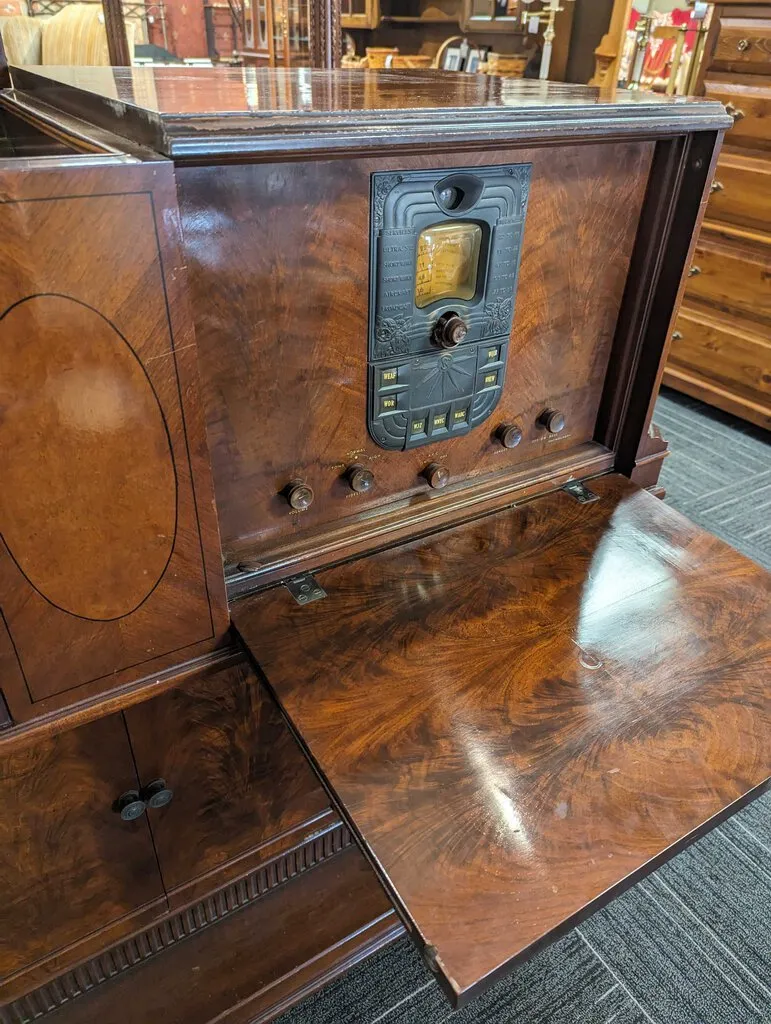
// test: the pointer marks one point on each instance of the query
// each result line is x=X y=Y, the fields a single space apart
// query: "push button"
x=418 y=426
x=492 y=354
x=490 y=379
x=438 y=422
x=392 y=403
x=389 y=377
x=460 y=417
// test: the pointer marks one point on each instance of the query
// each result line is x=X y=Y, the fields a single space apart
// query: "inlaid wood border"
x=153 y=940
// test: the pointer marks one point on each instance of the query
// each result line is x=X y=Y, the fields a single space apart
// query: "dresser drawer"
x=732 y=275
x=751 y=106
x=726 y=350
x=741 y=191
x=744 y=44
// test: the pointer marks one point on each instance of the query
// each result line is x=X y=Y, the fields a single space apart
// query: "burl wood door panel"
x=106 y=514
x=520 y=714
x=239 y=779
x=69 y=864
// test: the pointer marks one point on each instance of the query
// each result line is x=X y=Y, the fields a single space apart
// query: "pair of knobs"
x=133 y=804
x=509 y=434
x=300 y=495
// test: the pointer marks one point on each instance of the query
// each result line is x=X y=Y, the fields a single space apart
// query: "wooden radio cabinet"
x=336 y=600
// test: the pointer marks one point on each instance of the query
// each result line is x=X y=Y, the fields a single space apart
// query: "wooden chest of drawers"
x=721 y=345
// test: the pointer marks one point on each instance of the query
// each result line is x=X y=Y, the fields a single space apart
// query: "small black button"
x=389 y=377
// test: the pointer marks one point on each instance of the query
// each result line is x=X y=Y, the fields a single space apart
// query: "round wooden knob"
x=360 y=479
x=299 y=495
x=449 y=331
x=157 y=794
x=552 y=420
x=130 y=805
x=509 y=435
x=437 y=476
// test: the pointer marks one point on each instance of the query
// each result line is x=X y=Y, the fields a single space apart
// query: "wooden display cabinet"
x=330 y=565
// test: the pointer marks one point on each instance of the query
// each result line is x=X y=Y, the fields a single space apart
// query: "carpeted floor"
x=691 y=944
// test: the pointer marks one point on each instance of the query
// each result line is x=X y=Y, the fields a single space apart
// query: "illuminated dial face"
x=447 y=262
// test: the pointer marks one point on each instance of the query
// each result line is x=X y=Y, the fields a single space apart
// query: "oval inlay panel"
x=89 y=493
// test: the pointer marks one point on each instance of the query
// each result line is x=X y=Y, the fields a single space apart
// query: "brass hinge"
x=304 y=588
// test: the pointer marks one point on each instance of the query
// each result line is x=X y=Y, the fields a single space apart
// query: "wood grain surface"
x=238 y=777
x=109 y=541
x=284 y=365
x=69 y=864
x=521 y=714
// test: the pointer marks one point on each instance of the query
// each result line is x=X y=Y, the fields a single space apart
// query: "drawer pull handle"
x=694 y=271
x=735 y=113
x=157 y=794
x=716 y=186
x=743 y=45
x=677 y=335
x=130 y=805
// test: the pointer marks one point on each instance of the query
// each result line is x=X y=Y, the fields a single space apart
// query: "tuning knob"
x=437 y=476
x=552 y=420
x=360 y=479
x=157 y=794
x=130 y=805
x=299 y=495
x=509 y=435
x=449 y=331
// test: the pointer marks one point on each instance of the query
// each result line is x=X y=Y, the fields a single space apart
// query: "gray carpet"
x=691 y=944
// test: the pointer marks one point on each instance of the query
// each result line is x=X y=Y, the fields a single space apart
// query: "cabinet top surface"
x=184 y=111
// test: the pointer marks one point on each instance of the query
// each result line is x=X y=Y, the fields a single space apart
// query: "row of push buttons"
x=434 y=422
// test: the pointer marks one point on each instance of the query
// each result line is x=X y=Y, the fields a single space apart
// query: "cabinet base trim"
x=158 y=937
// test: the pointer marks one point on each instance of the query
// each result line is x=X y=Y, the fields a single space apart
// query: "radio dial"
x=360 y=479
x=437 y=476
x=299 y=495
x=449 y=331
x=552 y=420
x=509 y=435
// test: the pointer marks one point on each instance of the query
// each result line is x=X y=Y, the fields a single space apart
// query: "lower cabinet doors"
x=233 y=778
x=69 y=863
x=521 y=715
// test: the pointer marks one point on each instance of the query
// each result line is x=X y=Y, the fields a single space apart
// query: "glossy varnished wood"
x=110 y=546
x=69 y=864
x=192 y=115
x=523 y=713
x=284 y=363
x=239 y=780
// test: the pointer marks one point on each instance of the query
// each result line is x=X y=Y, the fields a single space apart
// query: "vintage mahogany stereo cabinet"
x=336 y=599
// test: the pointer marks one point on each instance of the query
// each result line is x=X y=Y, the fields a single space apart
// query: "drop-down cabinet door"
x=109 y=556
x=521 y=715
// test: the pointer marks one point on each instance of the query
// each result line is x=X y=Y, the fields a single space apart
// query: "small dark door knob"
x=130 y=805
x=360 y=479
x=509 y=435
x=437 y=476
x=157 y=794
x=449 y=331
x=552 y=420
x=299 y=495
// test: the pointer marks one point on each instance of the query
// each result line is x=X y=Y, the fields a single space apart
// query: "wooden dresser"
x=335 y=600
x=721 y=345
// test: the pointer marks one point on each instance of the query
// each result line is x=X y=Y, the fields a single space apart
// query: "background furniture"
x=721 y=344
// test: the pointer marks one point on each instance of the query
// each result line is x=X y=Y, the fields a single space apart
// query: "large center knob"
x=449 y=331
